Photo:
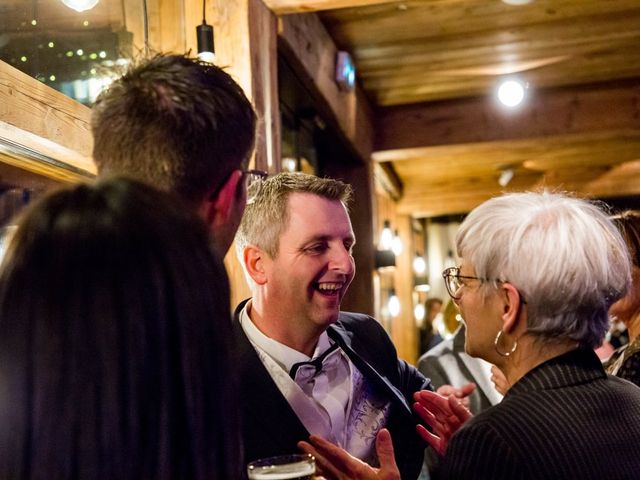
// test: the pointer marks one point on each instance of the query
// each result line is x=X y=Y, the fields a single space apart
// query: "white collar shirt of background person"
x=322 y=401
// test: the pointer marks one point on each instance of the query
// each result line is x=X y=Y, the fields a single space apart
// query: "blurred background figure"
x=429 y=336
x=114 y=341
x=625 y=361
x=448 y=364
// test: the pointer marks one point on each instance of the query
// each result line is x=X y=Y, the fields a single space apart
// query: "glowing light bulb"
x=393 y=305
x=511 y=93
x=386 y=237
x=80 y=5
x=396 y=244
x=419 y=264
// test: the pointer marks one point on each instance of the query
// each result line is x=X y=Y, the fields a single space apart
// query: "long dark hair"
x=114 y=341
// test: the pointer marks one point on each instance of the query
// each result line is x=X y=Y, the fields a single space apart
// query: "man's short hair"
x=174 y=122
x=267 y=217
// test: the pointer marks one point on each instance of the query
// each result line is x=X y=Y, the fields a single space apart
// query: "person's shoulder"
x=352 y=320
x=442 y=348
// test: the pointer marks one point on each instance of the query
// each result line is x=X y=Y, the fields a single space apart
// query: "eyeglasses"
x=253 y=180
x=454 y=281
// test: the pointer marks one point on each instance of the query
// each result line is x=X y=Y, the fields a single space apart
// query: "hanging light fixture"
x=419 y=264
x=393 y=304
x=386 y=236
x=396 y=243
x=204 y=32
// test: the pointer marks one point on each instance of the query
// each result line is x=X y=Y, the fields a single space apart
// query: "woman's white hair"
x=563 y=254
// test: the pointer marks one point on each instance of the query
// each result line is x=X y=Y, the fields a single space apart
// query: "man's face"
x=313 y=267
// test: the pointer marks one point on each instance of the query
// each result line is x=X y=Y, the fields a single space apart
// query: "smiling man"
x=306 y=367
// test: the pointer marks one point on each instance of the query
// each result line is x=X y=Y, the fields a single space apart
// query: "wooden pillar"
x=403 y=329
x=245 y=33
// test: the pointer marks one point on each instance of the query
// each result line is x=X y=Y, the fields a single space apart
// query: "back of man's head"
x=177 y=123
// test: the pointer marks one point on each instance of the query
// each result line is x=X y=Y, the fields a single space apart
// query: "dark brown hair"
x=175 y=122
x=115 y=341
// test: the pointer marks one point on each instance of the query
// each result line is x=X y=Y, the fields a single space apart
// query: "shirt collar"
x=283 y=355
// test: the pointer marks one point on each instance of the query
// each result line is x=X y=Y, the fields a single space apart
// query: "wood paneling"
x=46 y=121
x=431 y=68
x=312 y=53
x=559 y=111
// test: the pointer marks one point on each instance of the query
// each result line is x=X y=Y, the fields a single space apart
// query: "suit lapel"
x=265 y=409
x=343 y=338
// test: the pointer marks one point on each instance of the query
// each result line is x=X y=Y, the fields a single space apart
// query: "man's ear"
x=255 y=261
x=218 y=210
x=512 y=308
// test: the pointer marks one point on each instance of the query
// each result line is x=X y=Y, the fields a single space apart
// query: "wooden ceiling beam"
x=585 y=109
x=464 y=196
x=282 y=7
x=312 y=54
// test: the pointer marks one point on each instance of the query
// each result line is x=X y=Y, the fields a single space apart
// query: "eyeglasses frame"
x=447 y=273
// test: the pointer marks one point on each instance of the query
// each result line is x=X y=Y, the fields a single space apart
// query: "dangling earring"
x=495 y=344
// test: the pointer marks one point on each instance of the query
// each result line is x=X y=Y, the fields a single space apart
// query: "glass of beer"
x=284 y=467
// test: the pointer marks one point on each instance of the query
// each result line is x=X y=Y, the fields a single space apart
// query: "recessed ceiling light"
x=516 y=2
x=511 y=93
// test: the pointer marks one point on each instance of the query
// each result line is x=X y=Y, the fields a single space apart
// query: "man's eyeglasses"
x=454 y=281
x=253 y=180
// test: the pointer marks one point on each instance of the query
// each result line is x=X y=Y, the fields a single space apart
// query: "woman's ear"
x=512 y=307
x=255 y=263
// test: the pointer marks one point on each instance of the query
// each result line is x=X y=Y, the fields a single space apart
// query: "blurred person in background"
x=625 y=361
x=428 y=334
x=115 y=341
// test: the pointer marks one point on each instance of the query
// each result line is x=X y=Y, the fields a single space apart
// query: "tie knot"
x=308 y=370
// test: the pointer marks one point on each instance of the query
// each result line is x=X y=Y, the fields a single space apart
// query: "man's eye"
x=317 y=248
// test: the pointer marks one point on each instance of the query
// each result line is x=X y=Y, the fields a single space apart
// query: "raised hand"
x=443 y=414
x=461 y=393
x=336 y=463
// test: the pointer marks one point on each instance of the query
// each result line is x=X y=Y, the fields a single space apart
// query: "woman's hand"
x=336 y=463
x=445 y=415
x=499 y=380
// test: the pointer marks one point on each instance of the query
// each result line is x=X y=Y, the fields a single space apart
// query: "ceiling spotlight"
x=511 y=93
x=516 y=2
x=80 y=5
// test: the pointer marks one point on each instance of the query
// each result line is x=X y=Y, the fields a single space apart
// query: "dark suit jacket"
x=270 y=426
x=565 y=419
x=448 y=364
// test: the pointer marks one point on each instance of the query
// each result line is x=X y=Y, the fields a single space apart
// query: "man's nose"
x=342 y=260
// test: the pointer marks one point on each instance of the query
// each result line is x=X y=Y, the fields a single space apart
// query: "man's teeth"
x=329 y=286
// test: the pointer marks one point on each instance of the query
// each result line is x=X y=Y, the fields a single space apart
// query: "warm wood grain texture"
x=245 y=38
x=42 y=119
x=454 y=179
x=296 y=6
x=312 y=53
x=430 y=68
x=592 y=108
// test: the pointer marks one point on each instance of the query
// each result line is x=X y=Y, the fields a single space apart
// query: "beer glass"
x=283 y=467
